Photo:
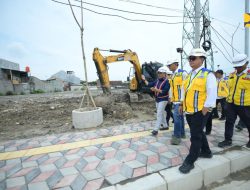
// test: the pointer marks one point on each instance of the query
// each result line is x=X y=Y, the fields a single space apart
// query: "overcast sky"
x=43 y=34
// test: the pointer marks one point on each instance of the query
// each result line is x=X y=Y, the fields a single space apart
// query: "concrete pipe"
x=87 y=117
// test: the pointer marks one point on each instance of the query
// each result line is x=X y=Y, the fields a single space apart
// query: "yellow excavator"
x=139 y=92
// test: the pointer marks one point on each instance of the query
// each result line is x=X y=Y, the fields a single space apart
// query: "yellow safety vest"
x=239 y=89
x=195 y=91
x=176 y=85
x=222 y=88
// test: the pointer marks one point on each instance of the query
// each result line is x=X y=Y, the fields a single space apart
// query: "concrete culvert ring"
x=87 y=117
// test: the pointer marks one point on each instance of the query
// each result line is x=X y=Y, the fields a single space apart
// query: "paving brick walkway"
x=101 y=165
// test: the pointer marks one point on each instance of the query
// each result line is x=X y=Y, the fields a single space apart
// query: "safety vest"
x=157 y=94
x=176 y=84
x=195 y=91
x=222 y=88
x=239 y=89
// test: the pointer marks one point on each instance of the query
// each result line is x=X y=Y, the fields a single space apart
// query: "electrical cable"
x=220 y=51
x=223 y=45
x=154 y=6
x=223 y=38
x=219 y=20
x=122 y=17
x=125 y=11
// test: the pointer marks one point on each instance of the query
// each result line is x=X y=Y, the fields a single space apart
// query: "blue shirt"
x=165 y=88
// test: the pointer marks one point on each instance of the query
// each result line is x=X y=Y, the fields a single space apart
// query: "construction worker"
x=175 y=95
x=199 y=99
x=168 y=108
x=238 y=100
x=222 y=93
x=160 y=87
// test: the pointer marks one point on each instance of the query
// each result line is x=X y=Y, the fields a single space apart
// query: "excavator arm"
x=102 y=68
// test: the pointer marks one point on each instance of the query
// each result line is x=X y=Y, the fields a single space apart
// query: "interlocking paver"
x=48 y=167
x=156 y=167
x=55 y=154
x=133 y=169
x=13 y=182
x=139 y=146
x=125 y=155
x=65 y=181
x=81 y=167
x=114 y=179
x=94 y=184
x=38 y=186
x=68 y=171
x=170 y=159
x=106 y=153
x=29 y=164
x=121 y=144
x=88 y=163
x=109 y=167
x=91 y=175
x=78 y=183
x=2 y=175
x=147 y=157
x=90 y=151
x=71 y=163
x=158 y=147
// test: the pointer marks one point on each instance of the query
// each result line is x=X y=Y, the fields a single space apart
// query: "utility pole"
x=193 y=28
x=247 y=30
x=197 y=23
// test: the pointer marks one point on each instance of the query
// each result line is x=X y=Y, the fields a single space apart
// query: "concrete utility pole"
x=197 y=22
x=247 y=30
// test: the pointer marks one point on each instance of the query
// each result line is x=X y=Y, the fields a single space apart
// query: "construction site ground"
x=40 y=150
x=26 y=116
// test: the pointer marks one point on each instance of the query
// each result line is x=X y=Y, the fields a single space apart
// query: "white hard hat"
x=162 y=70
x=198 y=52
x=167 y=70
x=171 y=61
x=240 y=60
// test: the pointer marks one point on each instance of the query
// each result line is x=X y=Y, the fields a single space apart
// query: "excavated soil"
x=27 y=116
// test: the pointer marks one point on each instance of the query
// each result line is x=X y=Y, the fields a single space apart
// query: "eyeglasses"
x=159 y=72
x=192 y=58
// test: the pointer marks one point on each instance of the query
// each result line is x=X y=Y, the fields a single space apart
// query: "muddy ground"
x=26 y=116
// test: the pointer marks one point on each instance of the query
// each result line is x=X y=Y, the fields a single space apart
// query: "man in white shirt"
x=198 y=101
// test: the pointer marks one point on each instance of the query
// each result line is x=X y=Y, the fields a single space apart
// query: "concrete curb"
x=206 y=172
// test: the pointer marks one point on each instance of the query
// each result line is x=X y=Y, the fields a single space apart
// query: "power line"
x=221 y=51
x=154 y=6
x=125 y=11
x=119 y=16
x=223 y=38
x=219 y=20
x=223 y=45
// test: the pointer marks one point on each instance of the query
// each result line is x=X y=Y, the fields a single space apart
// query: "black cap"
x=220 y=72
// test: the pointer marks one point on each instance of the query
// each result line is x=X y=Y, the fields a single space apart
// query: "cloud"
x=17 y=50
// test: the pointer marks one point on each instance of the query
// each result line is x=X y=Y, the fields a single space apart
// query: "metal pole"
x=181 y=61
x=204 y=36
x=197 y=23
x=247 y=30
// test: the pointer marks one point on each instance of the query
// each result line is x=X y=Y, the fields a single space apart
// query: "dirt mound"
x=112 y=107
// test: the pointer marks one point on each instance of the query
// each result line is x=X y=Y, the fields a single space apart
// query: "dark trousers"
x=232 y=111
x=222 y=103
x=168 y=109
x=197 y=122
x=209 y=123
